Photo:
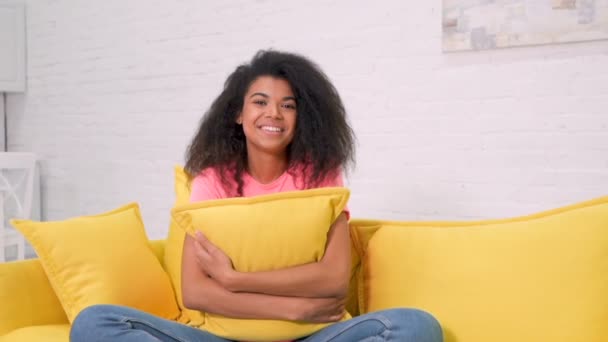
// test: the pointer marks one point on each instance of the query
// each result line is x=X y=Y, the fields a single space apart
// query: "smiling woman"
x=279 y=125
x=269 y=122
x=276 y=88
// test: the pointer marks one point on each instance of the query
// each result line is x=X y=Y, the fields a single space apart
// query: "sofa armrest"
x=26 y=297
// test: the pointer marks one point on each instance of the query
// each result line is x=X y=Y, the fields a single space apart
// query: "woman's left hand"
x=212 y=260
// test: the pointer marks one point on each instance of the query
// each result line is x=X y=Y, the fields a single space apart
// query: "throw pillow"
x=174 y=249
x=102 y=259
x=265 y=233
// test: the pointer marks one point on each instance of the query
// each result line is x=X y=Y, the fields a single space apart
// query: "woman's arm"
x=200 y=292
x=326 y=278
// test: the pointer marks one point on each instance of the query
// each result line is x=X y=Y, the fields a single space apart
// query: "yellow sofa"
x=542 y=277
x=29 y=308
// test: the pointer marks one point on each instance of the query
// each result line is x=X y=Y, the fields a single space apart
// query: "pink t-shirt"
x=208 y=186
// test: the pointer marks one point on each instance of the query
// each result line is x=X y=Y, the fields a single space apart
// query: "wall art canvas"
x=491 y=24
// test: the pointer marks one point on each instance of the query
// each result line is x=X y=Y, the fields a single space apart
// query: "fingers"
x=201 y=239
x=336 y=318
x=338 y=312
x=329 y=318
x=333 y=311
x=202 y=255
x=204 y=242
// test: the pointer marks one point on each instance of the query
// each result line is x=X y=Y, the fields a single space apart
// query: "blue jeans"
x=117 y=323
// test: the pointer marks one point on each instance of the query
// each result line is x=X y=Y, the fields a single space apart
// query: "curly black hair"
x=323 y=140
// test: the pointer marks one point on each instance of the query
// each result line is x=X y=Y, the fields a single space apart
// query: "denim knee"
x=417 y=325
x=89 y=319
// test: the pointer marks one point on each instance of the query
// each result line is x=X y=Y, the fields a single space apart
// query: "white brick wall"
x=116 y=88
x=2 y=120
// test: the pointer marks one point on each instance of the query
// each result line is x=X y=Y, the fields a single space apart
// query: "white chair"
x=17 y=170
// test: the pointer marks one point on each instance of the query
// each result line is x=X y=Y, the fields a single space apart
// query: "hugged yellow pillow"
x=175 y=247
x=265 y=233
x=542 y=277
x=102 y=259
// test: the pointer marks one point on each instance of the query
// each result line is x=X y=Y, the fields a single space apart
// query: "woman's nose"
x=274 y=111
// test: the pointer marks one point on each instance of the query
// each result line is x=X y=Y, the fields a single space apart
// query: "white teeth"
x=272 y=129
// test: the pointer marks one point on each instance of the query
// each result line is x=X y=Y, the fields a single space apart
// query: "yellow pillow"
x=536 y=278
x=174 y=249
x=265 y=233
x=102 y=259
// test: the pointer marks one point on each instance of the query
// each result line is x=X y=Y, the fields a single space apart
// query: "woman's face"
x=268 y=116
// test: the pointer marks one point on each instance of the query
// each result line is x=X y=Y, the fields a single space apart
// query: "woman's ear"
x=239 y=119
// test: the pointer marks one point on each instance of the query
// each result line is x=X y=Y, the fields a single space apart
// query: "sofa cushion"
x=265 y=233
x=46 y=333
x=536 y=278
x=102 y=259
x=172 y=261
x=174 y=249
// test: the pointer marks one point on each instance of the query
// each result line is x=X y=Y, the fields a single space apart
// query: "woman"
x=278 y=125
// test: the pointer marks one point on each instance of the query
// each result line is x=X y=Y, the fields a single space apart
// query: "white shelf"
x=18 y=188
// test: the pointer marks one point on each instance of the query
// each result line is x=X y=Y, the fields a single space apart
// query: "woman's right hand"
x=320 y=310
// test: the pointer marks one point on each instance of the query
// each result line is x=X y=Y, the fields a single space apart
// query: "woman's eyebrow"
x=266 y=96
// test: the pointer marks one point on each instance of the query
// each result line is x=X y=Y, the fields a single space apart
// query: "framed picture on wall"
x=483 y=24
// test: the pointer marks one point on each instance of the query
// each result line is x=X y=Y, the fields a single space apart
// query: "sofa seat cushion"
x=47 y=333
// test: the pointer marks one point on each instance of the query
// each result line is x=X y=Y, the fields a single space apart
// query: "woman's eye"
x=290 y=106
x=260 y=102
